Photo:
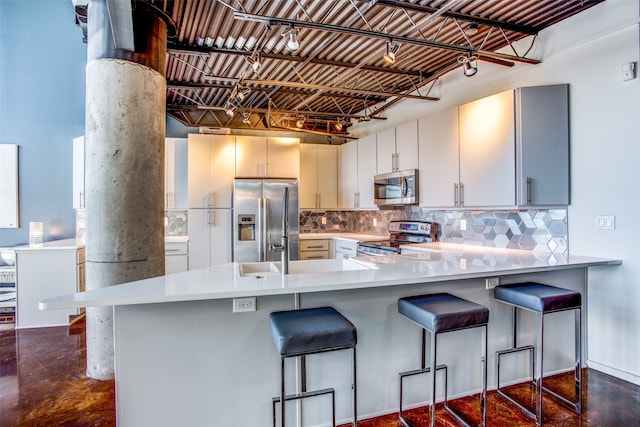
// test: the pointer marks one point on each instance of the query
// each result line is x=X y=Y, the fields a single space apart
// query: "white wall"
x=586 y=51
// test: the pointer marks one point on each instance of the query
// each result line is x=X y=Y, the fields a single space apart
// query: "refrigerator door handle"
x=263 y=230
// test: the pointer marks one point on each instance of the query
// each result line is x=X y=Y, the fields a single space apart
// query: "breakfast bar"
x=183 y=357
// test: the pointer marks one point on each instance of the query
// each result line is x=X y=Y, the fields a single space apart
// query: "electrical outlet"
x=375 y=222
x=241 y=305
x=492 y=282
x=463 y=224
x=323 y=220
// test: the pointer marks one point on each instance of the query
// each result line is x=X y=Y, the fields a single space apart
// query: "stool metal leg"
x=539 y=369
x=434 y=341
x=282 y=396
x=355 y=394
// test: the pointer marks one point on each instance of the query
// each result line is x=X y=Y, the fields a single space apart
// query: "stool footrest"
x=305 y=394
x=575 y=405
x=421 y=371
x=516 y=349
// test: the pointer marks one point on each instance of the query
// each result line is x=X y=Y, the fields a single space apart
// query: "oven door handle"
x=362 y=252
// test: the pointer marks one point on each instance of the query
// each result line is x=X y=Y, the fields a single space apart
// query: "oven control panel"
x=414 y=227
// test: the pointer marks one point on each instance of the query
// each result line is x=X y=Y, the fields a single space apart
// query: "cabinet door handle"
x=81 y=200
x=316 y=257
x=211 y=217
x=529 y=188
x=461 y=194
x=455 y=194
x=315 y=247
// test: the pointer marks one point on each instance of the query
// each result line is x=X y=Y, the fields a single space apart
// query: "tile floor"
x=43 y=383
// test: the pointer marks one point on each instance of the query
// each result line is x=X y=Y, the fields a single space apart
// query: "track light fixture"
x=256 y=63
x=390 y=52
x=230 y=109
x=300 y=122
x=246 y=118
x=242 y=92
x=293 y=44
x=469 y=65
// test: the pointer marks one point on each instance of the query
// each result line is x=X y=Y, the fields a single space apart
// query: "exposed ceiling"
x=337 y=75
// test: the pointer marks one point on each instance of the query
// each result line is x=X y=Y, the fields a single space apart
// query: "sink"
x=262 y=269
x=257 y=268
x=323 y=266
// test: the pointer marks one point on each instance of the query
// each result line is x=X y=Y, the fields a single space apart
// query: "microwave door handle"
x=404 y=186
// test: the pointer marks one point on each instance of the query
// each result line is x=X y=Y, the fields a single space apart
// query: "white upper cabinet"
x=267 y=157
x=438 y=160
x=251 y=156
x=348 y=178
x=366 y=171
x=318 y=188
x=397 y=148
x=407 y=146
x=386 y=150
x=542 y=145
x=211 y=170
x=487 y=152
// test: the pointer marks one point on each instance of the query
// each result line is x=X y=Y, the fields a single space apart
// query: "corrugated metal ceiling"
x=338 y=73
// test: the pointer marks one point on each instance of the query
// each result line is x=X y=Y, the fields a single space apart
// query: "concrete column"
x=124 y=169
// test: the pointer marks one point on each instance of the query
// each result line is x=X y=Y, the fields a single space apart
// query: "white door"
x=487 y=151
x=438 y=159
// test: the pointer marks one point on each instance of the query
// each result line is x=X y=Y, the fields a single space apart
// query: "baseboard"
x=626 y=376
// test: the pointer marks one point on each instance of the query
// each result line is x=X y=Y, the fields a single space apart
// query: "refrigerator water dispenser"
x=247 y=227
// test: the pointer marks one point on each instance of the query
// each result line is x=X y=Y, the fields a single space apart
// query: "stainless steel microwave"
x=396 y=188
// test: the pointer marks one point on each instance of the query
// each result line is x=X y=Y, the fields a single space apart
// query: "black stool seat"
x=443 y=312
x=311 y=330
x=538 y=297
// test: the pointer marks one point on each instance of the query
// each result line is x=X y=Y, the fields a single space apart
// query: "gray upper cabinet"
x=542 y=145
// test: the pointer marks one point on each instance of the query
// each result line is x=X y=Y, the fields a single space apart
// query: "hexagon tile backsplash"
x=543 y=230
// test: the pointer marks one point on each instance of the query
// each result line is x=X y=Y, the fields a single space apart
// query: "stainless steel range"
x=400 y=233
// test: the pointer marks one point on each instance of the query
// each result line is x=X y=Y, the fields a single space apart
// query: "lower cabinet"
x=209 y=237
x=344 y=248
x=176 y=257
x=314 y=249
x=47 y=272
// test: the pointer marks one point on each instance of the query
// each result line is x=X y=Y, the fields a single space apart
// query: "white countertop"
x=64 y=244
x=441 y=262
x=346 y=236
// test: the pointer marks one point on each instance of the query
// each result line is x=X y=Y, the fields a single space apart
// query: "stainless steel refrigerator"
x=257 y=219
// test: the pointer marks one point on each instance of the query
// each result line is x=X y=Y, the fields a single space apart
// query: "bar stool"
x=440 y=313
x=309 y=331
x=541 y=299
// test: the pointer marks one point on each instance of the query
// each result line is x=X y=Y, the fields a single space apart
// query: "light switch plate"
x=241 y=305
x=605 y=222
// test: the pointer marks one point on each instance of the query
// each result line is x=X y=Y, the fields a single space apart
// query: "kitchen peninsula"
x=182 y=357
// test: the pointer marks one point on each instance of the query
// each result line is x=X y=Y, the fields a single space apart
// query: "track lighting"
x=390 y=52
x=293 y=44
x=230 y=109
x=300 y=122
x=468 y=67
x=256 y=63
x=246 y=118
x=242 y=92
